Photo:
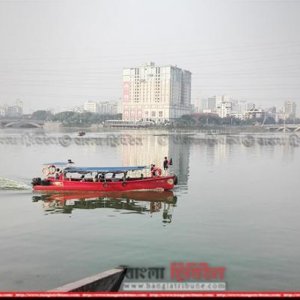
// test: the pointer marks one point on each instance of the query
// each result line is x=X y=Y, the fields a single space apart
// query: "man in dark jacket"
x=166 y=164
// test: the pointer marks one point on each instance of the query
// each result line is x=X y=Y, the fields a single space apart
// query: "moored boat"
x=60 y=177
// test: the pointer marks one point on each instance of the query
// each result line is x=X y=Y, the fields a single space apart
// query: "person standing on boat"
x=152 y=170
x=70 y=163
x=58 y=173
x=166 y=164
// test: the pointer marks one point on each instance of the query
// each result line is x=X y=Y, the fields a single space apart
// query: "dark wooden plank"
x=106 y=281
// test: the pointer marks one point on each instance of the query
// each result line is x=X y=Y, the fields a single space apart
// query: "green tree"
x=70 y=118
x=43 y=115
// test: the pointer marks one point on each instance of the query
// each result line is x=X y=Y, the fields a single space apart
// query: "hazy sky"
x=59 y=54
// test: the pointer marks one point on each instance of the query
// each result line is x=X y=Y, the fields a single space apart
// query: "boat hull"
x=164 y=183
x=110 y=281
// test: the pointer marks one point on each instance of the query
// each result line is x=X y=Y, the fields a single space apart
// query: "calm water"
x=235 y=206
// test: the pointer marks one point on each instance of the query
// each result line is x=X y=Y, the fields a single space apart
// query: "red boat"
x=59 y=177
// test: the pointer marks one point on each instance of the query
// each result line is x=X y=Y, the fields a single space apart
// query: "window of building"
x=160 y=114
x=153 y=114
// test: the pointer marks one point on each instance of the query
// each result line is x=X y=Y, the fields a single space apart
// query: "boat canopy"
x=57 y=163
x=103 y=169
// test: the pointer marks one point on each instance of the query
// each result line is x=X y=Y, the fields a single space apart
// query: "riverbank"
x=224 y=129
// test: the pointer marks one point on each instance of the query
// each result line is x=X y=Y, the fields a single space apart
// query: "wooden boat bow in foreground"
x=109 y=281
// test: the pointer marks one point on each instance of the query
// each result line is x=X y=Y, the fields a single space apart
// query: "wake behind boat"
x=63 y=177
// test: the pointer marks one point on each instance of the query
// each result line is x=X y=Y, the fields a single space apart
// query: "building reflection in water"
x=136 y=202
x=154 y=147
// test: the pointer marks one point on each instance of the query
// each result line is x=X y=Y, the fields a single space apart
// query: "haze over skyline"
x=59 y=54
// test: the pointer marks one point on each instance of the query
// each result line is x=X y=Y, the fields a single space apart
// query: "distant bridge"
x=21 y=123
x=284 y=128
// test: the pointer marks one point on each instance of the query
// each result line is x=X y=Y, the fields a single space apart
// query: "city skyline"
x=58 y=54
x=222 y=105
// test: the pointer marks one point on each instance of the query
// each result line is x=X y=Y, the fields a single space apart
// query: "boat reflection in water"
x=137 y=202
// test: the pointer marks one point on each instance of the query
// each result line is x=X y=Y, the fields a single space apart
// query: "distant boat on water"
x=81 y=133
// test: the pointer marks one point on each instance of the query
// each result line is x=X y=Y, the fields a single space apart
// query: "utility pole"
x=265 y=117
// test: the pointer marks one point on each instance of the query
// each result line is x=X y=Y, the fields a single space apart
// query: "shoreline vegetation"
x=89 y=121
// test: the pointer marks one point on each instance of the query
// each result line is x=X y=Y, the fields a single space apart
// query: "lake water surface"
x=237 y=205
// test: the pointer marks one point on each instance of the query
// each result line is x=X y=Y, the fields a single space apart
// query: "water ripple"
x=8 y=184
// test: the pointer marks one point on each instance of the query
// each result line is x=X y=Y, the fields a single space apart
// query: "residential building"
x=91 y=106
x=255 y=113
x=290 y=109
x=239 y=108
x=107 y=108
x=197 y=106
x=272 y=112
x=120 y=107
x=14 y=111
x=157 y=93
x=224 y=109
x=2 y=111
x=212 y=103
x=103 y=108
x=223 y=106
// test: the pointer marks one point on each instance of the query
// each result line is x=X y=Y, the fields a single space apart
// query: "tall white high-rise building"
x=158 y=93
